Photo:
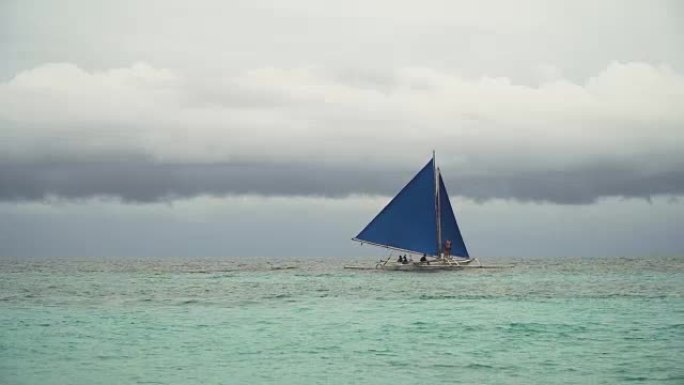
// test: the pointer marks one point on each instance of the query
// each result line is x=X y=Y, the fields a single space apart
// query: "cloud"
x=148 y=182
x=144 y=133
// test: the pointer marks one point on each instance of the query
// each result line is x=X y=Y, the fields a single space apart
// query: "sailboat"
x=419 y=221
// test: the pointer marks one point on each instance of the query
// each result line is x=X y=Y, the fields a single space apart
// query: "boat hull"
x=424 y=266
x=418 y=267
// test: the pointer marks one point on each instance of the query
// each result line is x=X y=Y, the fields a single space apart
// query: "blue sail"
x=408 y=222
x=450 y=230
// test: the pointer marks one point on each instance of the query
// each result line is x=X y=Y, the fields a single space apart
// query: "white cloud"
x=626 y=113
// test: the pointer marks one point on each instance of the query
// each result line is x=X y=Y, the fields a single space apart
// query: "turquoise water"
x=297 y=321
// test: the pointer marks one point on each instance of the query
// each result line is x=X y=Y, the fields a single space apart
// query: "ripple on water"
x=295 y=321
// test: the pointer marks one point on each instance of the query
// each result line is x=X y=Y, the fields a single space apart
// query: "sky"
x=280 y=128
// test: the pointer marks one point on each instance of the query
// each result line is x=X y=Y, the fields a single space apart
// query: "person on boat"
x=400 y=259
x=447 y=248
x=405 y=261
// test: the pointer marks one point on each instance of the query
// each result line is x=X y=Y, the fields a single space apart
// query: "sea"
x=310 y=321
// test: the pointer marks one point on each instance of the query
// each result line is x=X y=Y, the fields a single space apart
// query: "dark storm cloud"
x=148 y=182
x=145 y=182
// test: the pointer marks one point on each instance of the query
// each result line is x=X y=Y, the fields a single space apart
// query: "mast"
x=438 y=210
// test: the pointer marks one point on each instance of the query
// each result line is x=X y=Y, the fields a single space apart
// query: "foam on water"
x=287 y=320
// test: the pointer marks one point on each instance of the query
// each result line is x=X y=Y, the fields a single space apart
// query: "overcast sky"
x=223 y=128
